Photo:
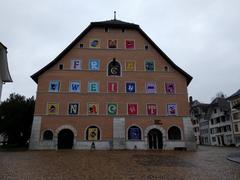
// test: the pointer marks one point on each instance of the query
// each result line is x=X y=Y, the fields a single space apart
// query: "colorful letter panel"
x=94 y=43
x=94 y=65
x=52 y=108
x=112 y=43
x=130 y=44
x=151 y=109
x=151 y=87
x=172 y=109
x=54 y=86
x=132 y=109
x=113 y=87
x=73 y=108
x=76 y=64
x=93 y=109
x=170 y=88
x=149 y=65
x=112 y=109
x=130 y=66
x=130 y=87
x=93 y=87
x=92 y=134
x=74 y=86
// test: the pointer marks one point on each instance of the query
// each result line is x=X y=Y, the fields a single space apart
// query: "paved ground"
x=207 y=163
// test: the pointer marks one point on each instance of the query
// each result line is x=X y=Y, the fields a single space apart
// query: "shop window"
x=130 y=44
x=174 y=133
x=93 y=86
x=130 y=87
x=94 y=43
x=47 y=135
x=74 y=86
x=73 y=108
x=112 y=43
x=170 y=88
x=76 y=64
x=134 y=133
x=171 y=109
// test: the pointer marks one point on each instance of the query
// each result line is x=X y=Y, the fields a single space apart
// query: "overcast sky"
x=200 y=36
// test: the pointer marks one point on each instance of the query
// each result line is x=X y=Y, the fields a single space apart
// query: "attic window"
x=61 y=66
x=166 y=68
x=123 y=30
x=81 y=45
x=106 y=29
x=146 y=47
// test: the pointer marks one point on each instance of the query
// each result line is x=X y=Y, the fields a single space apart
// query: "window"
x=81 y=45
x=93 y=109
x=171 y=109
x=236 y=115
x=112 y=87
x=174 y=133
x=76 y=64
x=47 y=135
x=151 y=109
x=166 y=68
x=130 y=87
x=114 y=68
x=94 y=43
x=73 y=108
x=92 y=133
x=134 y=133
x=106 y=29
x=112 y=109
x=215 y=111
x=130 y=44
x=94 y=65
x=123 y=30
x=170 y=88
x=93 y=86
x=54 y=86
x=151 y=87
x=211 y=121
x=146 y=47
x=74 y=86
x=60 y=66
x=214 y=139
x=112 y=43
x=149 y=66
x=52 y=108
x=132 y=109
x=130 y=66
x=236 y=127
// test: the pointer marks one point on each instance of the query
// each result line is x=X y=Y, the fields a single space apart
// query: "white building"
x=220 y=123
x=4 y=71
x=235 y=113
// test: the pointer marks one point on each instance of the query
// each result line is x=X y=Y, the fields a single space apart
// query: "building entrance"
x=65 y=139
x=155 y=139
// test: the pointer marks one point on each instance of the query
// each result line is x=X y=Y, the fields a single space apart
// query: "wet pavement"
x=207 y=163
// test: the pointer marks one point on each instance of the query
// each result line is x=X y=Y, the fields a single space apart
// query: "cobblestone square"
x=207 y=163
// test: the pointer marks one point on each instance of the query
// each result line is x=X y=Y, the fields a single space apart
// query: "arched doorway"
x=65 y=139
x=155 y=139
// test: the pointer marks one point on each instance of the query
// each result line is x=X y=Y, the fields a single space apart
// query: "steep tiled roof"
x=111 y=24
x=234 y=94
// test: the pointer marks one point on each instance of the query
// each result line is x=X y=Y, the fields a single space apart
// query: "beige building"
x=112 y=88
x=4 y=71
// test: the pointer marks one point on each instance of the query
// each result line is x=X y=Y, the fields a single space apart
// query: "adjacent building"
x=4 y=71
x=200 y=122
x=235 y=114
x=220 y=123
x=212 y=122
x=112 y=88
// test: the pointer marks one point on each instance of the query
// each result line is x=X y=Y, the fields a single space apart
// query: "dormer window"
x=114 y=68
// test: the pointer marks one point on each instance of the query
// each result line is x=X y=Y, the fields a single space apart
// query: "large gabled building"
x=112 y=88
